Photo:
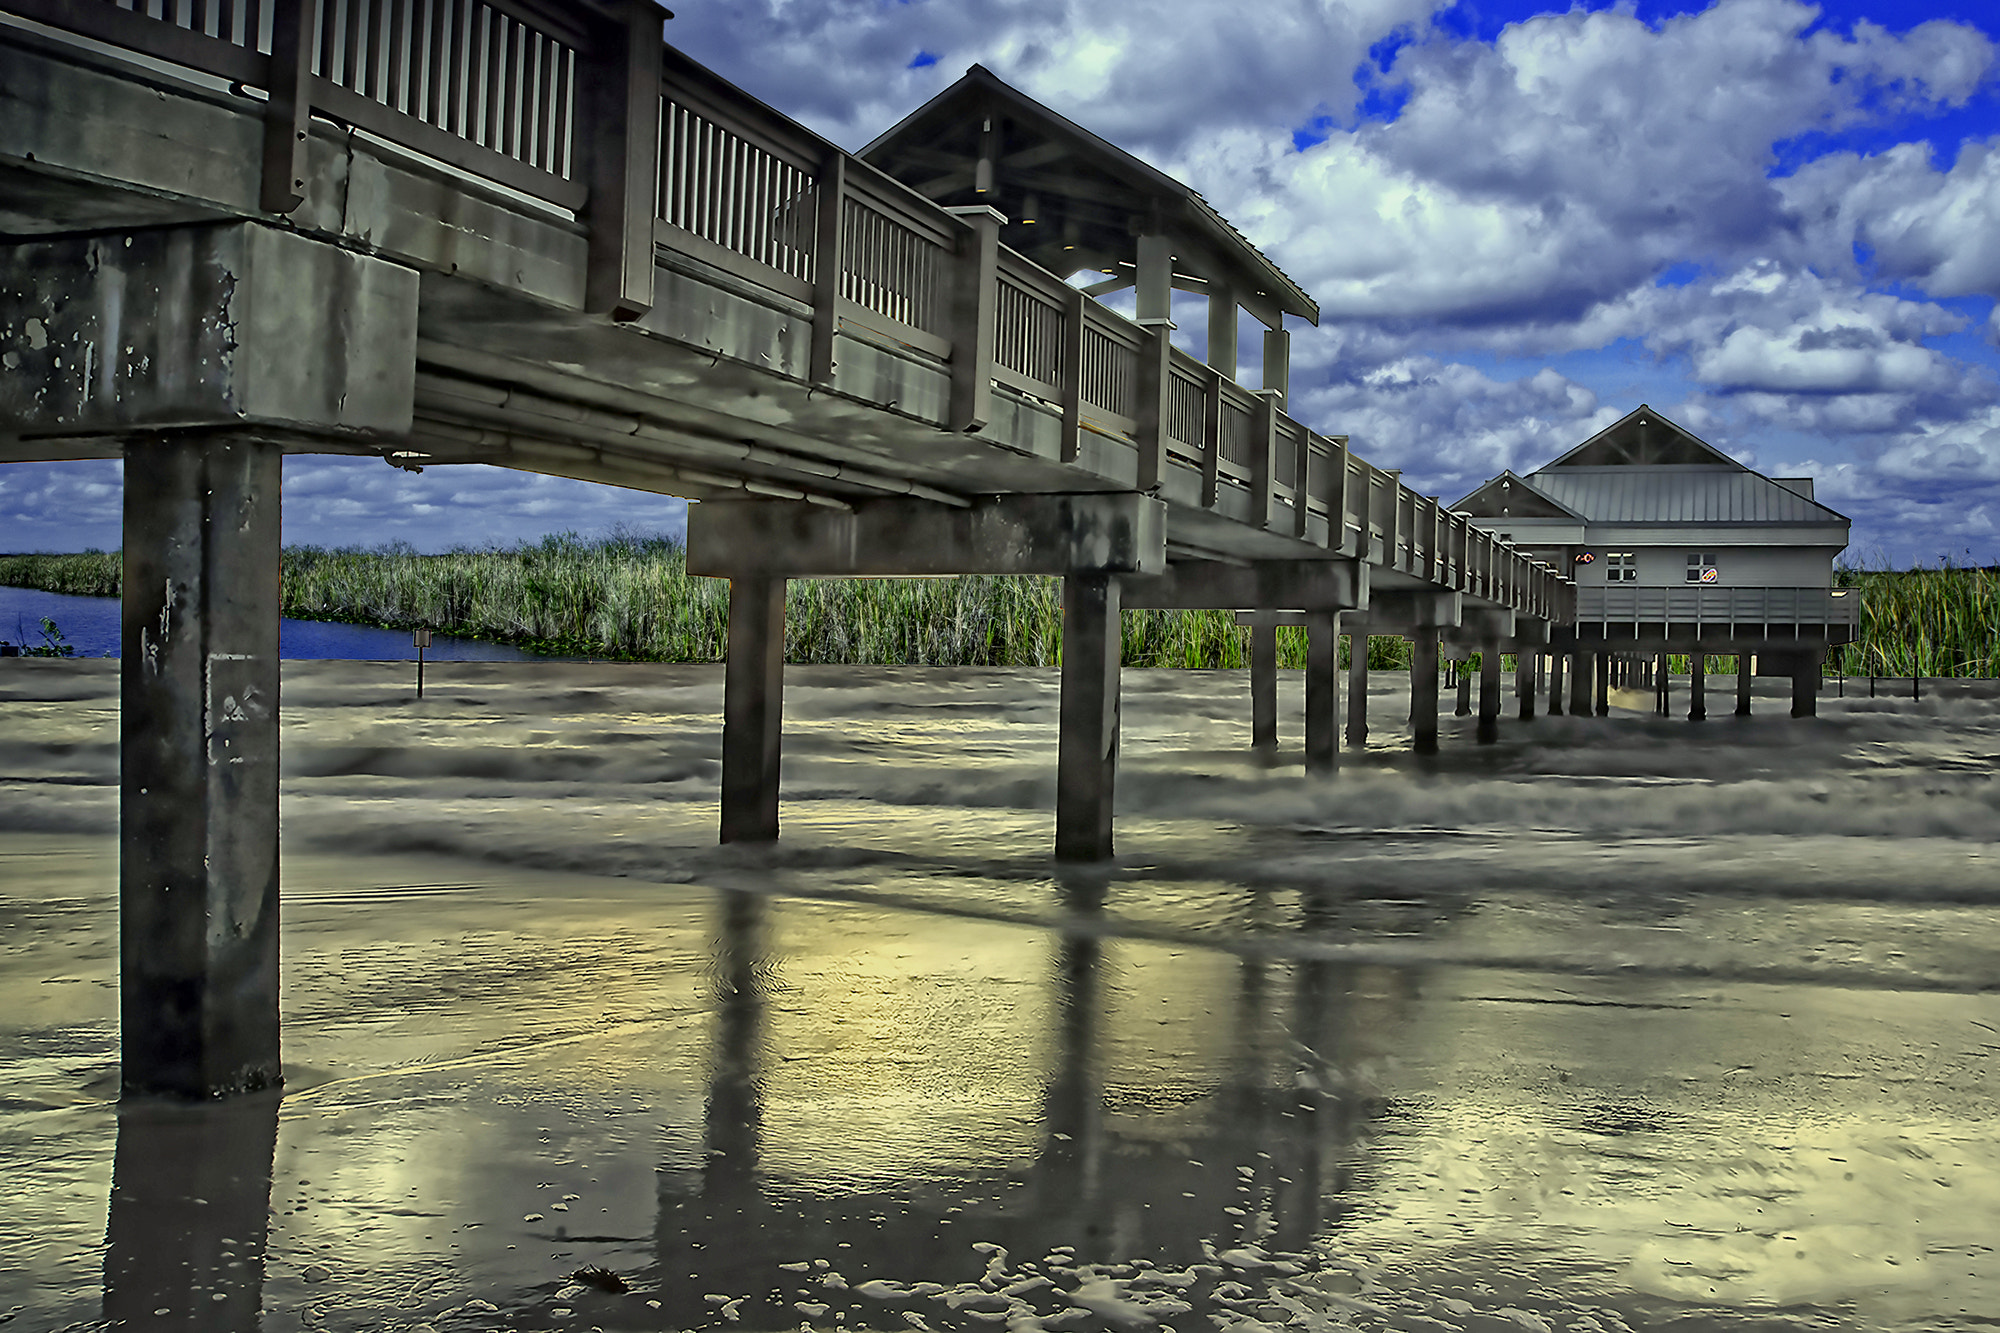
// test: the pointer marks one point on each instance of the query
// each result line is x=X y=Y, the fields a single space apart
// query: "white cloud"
x=1938 y=229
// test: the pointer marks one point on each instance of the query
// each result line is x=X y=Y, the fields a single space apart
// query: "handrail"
x=1703 y=604
x=574 y=103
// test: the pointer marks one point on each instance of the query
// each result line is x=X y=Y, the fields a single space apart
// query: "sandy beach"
x=1622 y=1023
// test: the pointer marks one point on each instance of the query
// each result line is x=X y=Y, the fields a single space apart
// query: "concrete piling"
x=198 y=777
x=1424 y=690
x=1489 y=692
x=1322 y=691
x=753 y=709
x=1087 y=747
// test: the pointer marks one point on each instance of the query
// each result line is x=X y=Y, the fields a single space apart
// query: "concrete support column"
x=1663 y=679
x=1087 y=749
x=1461 y=669
x=1322 y=691
x=1264 y=686
x=1580 y=665
x=1524 y=682
x=1424 y=690
x=1742 y=684
x=1604 y=685
x=1489 y=692
x=1556 y=661
x=198 y=771
x=753 y=706
x=1357 y=686
x=1805 y=686
x=1697 y=686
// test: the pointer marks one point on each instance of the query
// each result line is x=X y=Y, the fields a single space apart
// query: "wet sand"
x=1619 y=1024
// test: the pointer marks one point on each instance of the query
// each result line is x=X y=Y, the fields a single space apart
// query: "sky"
x=1778 y=223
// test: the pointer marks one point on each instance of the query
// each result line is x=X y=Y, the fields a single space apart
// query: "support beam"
x=1489 y=692
x=198 y=771
x=1556 y=661
x=1698 y=687
x=1424 y=690
x=1322 y=691
x=1305 y=585
x=1525 y=663
x=1155 y=278
x=1115 y=532
x=1604 y=684
x=1087 y=748
x=1222 y=335
x=1264 y=685
x=1743 y=665
x=753 y=709
x=1357 y=684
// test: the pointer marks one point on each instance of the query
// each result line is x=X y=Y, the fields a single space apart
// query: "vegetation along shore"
x=630 y=597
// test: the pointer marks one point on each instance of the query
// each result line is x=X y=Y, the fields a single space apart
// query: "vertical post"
x=1155 y=382
x=1263 y=458
x=198 y=773
x=1155 y=279
x=1461 y=668
x=1357 y=679
x=1742 y=684
x=1221 y=349
x=1211 y=439
x=1604 y=685
x=974 y=298
x=1424 y=689
x=622 y=132
x=1556 y=661
x=1580 y=664
x=1805 y=685
x=1264 y=684
x=753 y=706
x=1278 y=363
x=1489 y=692
x=1072 y=376
x=829 y=263
x=420 y=641
x=1322 y=691
x=1087 y=748
x=1664 y=677
x=1525 y=663
x=288 y=113
x=1698 y=685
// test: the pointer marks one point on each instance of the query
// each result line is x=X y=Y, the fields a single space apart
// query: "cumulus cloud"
x=1897 y=216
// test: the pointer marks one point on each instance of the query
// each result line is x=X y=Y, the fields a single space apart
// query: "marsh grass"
x=629 y=596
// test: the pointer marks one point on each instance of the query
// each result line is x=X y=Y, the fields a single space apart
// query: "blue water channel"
x=90 y=625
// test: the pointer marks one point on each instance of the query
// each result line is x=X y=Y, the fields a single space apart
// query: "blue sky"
x=1776 y=222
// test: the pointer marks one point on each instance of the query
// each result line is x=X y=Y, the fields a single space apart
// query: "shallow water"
x=90 y=626
x=1622 y=1023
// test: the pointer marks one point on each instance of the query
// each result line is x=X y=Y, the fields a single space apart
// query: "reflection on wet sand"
x=1619 y=1030
x=189 y=1213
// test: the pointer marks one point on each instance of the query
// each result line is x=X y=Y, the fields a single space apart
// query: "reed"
x=630 y=596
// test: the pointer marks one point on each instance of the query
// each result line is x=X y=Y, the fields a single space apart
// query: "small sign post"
x=421 y=640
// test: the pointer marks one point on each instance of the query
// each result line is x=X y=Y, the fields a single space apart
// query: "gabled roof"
x=1689 y=493
x=1072 y=199
x=1509 y=496
x=1643 y=437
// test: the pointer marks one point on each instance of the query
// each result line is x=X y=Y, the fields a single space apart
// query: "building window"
x=1621 y=567
x=1701 y=567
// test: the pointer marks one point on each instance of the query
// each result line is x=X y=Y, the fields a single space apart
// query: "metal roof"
x=1680 y=493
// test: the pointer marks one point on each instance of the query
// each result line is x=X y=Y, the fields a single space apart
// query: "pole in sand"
x=421 y=640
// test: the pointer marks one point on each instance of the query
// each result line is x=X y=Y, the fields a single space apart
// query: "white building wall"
x=1736 y=566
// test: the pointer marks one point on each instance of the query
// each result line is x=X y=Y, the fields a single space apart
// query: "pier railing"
x=1708 y=608
x=581 y=105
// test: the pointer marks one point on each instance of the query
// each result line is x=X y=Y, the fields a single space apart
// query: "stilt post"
x=1604 y=685
x=1087 y=751
x=1322 y=691
x=1264 y=685
x=1556 y=661
x=1697 y=686
x=1742 y=684
x=1424 y=690
x=198 y=778
x=1489 y=692
x=1357 y=686
x=1525 y=664
x=753 y=709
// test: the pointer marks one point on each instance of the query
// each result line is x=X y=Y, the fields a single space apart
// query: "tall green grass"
x=630 y=596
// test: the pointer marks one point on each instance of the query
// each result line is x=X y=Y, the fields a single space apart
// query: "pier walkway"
x=533 y=235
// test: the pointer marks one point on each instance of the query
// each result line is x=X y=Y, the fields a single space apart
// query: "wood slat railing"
x=580 y=105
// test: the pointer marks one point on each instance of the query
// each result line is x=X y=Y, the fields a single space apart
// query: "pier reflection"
x=190 y=1215
x=1134 y=1167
